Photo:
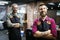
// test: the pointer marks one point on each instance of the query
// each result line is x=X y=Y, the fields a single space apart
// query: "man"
x=44 y=28
x=13 y=21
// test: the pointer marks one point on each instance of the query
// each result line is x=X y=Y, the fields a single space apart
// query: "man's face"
x=15 y=8
x=42 y=10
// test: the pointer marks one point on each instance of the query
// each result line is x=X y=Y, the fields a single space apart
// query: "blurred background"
x=28 y=11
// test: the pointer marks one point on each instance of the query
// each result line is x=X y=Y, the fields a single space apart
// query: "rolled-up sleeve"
x=34 y=27
x=20 y=16
x=9 y=23
x=53 y=28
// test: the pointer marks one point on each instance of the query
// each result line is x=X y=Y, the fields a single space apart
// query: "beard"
x=14 y=11
x=43 y=14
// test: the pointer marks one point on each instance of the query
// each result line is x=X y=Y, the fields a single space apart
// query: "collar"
x=45 y=19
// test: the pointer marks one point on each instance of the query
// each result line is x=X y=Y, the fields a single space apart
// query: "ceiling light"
x=3 y=2
x=59 y=5
x=51 y=3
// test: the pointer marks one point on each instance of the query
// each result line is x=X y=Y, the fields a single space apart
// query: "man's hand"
x=41 y=34
x=46 y=33
x=17 y=25
x=38 y=34
x=50 y=37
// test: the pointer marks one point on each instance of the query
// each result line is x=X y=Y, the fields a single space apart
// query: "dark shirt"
x=15 y=19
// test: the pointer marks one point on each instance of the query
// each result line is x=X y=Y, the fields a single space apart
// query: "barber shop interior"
x=29 y=19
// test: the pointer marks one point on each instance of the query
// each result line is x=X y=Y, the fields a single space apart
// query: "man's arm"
x=42 y=34
x=10 y=24
x=53 y=30
x=20 y=19
x=37 y=33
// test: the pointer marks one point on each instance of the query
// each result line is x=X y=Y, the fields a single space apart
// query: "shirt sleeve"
x=20 y=19
x=9 y=22
x=34 y=27
x=53 y=28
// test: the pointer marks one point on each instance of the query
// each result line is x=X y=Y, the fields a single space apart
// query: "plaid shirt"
x=53 y=26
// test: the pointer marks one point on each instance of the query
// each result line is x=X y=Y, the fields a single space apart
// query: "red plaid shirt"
x=53 y=26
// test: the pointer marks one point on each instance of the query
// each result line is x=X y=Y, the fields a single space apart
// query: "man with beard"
x=13 y=21
x=44 y=28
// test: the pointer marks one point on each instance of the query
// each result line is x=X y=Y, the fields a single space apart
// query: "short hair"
x=41 y=3
x=14 y=4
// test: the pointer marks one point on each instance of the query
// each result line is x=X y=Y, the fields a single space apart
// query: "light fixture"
x=59 y=5
x=3 y=2
x=51 y=3
x=51 y=7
